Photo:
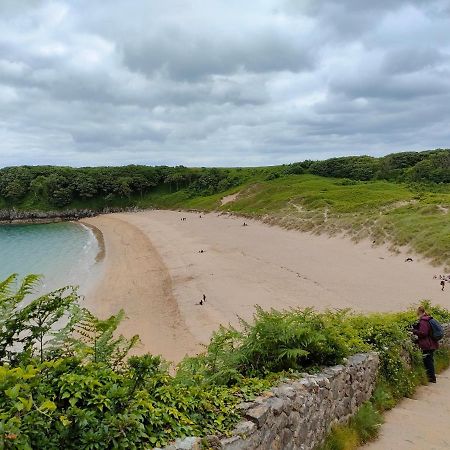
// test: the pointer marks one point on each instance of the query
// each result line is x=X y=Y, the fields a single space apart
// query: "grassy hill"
x=383 y=211
x=400 y=199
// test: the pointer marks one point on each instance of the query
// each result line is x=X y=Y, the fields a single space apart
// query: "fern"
x=54 y=325
x=96 y=339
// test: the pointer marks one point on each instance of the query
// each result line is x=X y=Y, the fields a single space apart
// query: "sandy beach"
x=155 y=270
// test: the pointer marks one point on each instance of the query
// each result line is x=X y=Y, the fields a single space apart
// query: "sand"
x=229 y=198
x=135 y=279
x=154 y=270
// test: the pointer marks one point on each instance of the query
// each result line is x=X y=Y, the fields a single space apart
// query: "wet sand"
x=155 y=271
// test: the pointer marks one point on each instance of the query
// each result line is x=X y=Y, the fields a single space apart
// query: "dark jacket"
x=423 y=332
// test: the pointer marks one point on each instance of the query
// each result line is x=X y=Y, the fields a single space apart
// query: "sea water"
x=63 y=253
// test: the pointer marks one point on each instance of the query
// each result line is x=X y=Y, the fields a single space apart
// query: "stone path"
x=421 y=423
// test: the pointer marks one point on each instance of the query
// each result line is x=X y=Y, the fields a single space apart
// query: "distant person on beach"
x=442 y=285
x=204 y=297
x=422 y=329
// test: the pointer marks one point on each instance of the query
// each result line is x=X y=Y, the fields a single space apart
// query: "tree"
x=123 y=187
x=14 y=183
x=85 y=185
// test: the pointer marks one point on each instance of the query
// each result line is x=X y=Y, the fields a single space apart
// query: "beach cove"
x=64 y=253
x=158 y=267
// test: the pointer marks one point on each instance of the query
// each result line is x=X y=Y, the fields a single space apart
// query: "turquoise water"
x=64 y=253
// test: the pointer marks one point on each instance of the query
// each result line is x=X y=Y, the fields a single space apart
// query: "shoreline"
x=135 y=279
x=154 y=271
x=101 y=254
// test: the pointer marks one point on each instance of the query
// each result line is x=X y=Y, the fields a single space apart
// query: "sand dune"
x=153 y=269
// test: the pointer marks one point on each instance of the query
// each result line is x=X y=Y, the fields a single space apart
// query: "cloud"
x=221 y=82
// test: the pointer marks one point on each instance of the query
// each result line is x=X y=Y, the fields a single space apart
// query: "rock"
x=276 y=405
x=244 y=406
x=188 y=443
x=234 y=443
x=244 y=429
x=212 y=443
x=258 y=414
x=286 y=391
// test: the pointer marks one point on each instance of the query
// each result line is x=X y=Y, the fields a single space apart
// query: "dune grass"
x=383 y=211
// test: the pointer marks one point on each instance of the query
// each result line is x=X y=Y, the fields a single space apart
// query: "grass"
x=390 y=213
x=385 y=212
x=365 y=425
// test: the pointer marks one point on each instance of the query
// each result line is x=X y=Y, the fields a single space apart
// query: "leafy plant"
x=72 y=385
x=26 y=325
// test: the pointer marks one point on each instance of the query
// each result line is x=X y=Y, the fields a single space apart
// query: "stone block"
x=286 y=391
x=276 y=405
x=235 y=443
x=188 y=443
x=244 y=429
x=258 y=414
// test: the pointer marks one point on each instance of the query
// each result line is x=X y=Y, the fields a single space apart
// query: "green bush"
x=73 y=386
x=276 y=341
x=68 y=404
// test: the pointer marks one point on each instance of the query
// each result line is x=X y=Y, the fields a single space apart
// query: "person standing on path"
x=425 y=342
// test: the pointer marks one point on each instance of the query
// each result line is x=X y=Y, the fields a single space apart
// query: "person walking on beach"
x=442 y=285
x=422 y=329
x=204 y=298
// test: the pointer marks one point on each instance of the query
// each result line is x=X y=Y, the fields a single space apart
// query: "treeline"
x=423 y=167
x=60 y=186
x=43 y=187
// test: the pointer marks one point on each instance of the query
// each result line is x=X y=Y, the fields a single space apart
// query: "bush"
x=276 y=341
x=75 y=387
x=68 y=404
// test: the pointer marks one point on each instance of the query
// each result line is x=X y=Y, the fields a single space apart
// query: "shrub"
x=275 y=342
x=75 y=387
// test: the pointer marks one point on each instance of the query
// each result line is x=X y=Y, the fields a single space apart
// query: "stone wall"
x=299 y=414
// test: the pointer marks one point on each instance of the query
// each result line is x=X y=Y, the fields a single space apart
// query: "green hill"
x=401 y=199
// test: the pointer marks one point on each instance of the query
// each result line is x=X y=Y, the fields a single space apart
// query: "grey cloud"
x=412 y=59
x=185 y=57
x=220 y=83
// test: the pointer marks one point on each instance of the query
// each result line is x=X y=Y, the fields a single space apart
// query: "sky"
x=221 y=82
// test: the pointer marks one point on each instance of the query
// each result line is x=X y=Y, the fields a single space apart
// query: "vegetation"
x=400 y=199
x=44 y=187
x=66 y=380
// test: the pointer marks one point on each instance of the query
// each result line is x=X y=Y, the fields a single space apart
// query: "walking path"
x=420 y=423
